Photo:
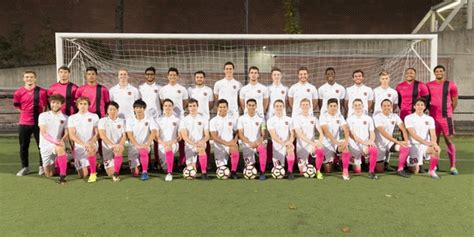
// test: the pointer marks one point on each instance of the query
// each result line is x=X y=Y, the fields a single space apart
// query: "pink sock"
x=319 y=158
x=62 y=163
x=262 y=157
x=291 y=161
x=117 y=163
x=402 y=158
x=92 y=164
x=143 y=153
x=433 y=163
x=234 y=159
x=372 y=159
x=203 y=163
x=169 y=161
x=452 y=154
x=345 y=161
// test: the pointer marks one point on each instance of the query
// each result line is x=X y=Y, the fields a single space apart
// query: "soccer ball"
x=309 y=171
x=189 y=172
x=250 y=172
x=223 y=172
x=278 y=172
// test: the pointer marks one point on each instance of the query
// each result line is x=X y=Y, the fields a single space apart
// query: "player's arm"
x=371 y=106
x=150 y=137
x=328 y=134
x=132 y=139
x=346 y=107
x=386 y=135
x=345 y=129
x=291 y=138
x=241 y=103
x=413 y=134
x=454 y=101
x=243 y=137
x=300 y=134
x=372 y=138
x=104 y=137
x=433 y=143
x=275 y=137
x=73 y=137
x=290 y=102
x=215 y=137
x=266 y=101
x=184 y=135
x=206 y=136
x=44 y=132
x=356 y=138
x=262 y=134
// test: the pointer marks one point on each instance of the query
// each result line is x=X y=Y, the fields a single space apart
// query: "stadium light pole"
x=246 y=50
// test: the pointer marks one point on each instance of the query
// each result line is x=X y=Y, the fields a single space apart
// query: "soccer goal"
x=208 y=52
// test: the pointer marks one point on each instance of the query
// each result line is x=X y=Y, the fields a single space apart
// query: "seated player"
x=362 y=139
x=421 y=129
x=141 y=132
x=305 y=125
x=281 y=131
x=251 y=129
x=167 y=137
x=52 y=125
x=223 y=132
x=112 y=134
x=194 y=130
x=82 y=129
x=331 y=124
x=385 y=122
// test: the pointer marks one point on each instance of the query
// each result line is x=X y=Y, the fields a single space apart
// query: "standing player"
x=305 y=126
x=443 y=102
x=358 y=91
x=112 y=134
x=52 y=126
x=251 y=129
x=65 y=88
x=254 y=90
x=31 y=100
x=421 y=129
x=281 y=131
x=302 y=89
x=82 y=129
x=228 y=89
x=124 y=94
x=276 y=91
x=331 y=89
x=409 y=91
x=194 y=129
x=98 y=94
x=384 y=91
x=202 y=94
x=223 y=129
x=175 y=92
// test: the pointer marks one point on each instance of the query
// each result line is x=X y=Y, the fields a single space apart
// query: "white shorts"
x=279 y=154
x=384 y=151
x=109 y=163
x=303 y=152
x=162 y=154
x=248 y=153
x=221 y=154
x=417 y=154
x=48 y=155
x=133 y=157
x=80 y=156
x=356 y=150
x=191 y=153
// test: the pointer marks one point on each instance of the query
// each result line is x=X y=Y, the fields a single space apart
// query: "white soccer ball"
x=189 y=172
x=309 y=171
x=278 y=172
x=250 y=172
x=222 y=172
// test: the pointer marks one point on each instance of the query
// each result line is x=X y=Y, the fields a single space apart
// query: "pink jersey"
x=441 y=94
x=67 y=90
x=97 y=105
x=407 y=94
x=31 y=103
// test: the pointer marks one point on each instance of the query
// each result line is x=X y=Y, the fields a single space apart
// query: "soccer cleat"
x=319 y=175
x=291 y=176
x=92 y=178
x=421 y=170
x=373 y=176
x=434 y=175
x=24 y=171
x=233 y=175
x=454 y=171
x=40 y=170
x=262 y=177
x=62 y=179
x=403 y=174
x=145 y=176
x=345 y=176
x=116 y=178
x=389 y=168
x=169 y=178
x=204 y=176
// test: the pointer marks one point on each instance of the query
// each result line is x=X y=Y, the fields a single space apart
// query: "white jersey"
x=282 y=126
x=150 y=93
x=229 y=90
x=388 y=123
x=308 y=125
x=195 y=126
x=361 y=126
x=114 y=129
x=203 y=95
x=276 y=92
x=55 y=125
x=362 y=92
x=422 y=125
x=252 y=126
x=177 y=94
x=140 y=129
x=84 y=125
x=168 y=127
x=334 y=124
x=299 y=91
x=327 y=91
x=257 y=92
x=224 y=126
x=125 y=97
x=381 y=94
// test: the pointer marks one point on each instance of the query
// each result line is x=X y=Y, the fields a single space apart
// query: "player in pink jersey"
x=97 y=93
x=65 y=88
x=408 y=91
x=31 y=100
x=443 y=102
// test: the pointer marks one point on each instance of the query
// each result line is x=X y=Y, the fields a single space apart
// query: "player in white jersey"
x=421 y=129
x=254 y=90
x=331 y=89
x=305 y=126
x=175 y=92
x=276 y=91
x=385 y=123
x=223 y=129
x=302 y=89
x=384 y=91
x=251 y=127
x=362 y=139
x=331 y=124
x=113 y=136
x=203 y=94
x=140 y=132
x=124 y=94
x=358 y=91
x=167 y=137
x=228 y=89
x=281 y=131
x=52 y=125
x=194 y=130
x=82 y=130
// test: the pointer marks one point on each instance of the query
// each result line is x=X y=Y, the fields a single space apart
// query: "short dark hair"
x=150 y=69
x=56 y=97
x=91 y=69
x=168 y=100
x=222 y=101
x=29 y=72
x=357 y=71
x=275 y=69
x=357 y=100
x=411 y=68
x=65 y=68
x=302 y=69
x=254 y=68
x=278 y=101
x=251 y=100
x=229 y=63
x=385 y=100
x=139 y=104
x=421 y=99
x=333 y=100
x=200 y=72
x=193 y=101
x=330 y=69
x=173 y=69
x=439 y=66
x=111 y=103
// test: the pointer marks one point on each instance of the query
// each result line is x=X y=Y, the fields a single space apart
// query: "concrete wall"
x=12 y=78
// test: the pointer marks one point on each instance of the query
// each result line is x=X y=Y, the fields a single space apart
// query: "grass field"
x=390 y=206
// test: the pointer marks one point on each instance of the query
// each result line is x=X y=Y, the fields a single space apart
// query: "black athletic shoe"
x=62 y=179
x=205 y=177
x=291 y=176
x=233 y=175
x=403 y=174
x=262 y=177
x=389 y=168
x=421 y=170
x=373 y=176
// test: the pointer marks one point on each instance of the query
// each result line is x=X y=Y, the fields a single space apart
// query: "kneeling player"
x=385 y=123
x=112 y=133
x=280 y=128
x=223 y=132
x=421 y=128
x=331 y=123
x=52 y=125
x=82 y=129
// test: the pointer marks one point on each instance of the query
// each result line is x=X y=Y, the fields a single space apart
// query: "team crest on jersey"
x=179 y=91
x=312 y=122
x=235 y=87
x=256 y=124
x=427 y=123
x=286 y=123
x=129 y=93
x=393 y=122
x=146 y=124
x=199 y=123
x=174 y=124
x=156 y=91
x=119 y=126
x=230 y=123
x=365 y=122
x=307 y=90
x=259 y=91
x=337 y=91
x=389 y=95
x=89 y=120
x=282 y=92
x=337 y=121
x=365 y=93
x=205 y=93
x=61 y=121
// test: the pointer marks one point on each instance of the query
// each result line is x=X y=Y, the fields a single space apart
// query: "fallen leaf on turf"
x=346 y=229
x=292 y=206
x=388 y=195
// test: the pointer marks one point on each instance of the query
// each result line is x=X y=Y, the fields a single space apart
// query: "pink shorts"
x=445 y=126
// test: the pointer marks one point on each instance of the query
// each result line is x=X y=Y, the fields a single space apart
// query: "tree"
x=292 y=16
